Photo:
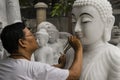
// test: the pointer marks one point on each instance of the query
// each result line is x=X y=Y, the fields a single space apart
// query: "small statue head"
x=42 y=37
x=45 y=25
x=94 y=20
x=51 y=29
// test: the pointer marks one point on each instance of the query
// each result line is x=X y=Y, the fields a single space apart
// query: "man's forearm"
x=75 y=69
x=58 y=65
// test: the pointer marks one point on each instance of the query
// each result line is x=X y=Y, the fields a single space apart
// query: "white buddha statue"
x=44 y=53
x=94 y=21
x=9 y=12
x=54 y=41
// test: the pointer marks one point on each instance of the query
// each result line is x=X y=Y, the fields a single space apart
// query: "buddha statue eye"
x=86 y=20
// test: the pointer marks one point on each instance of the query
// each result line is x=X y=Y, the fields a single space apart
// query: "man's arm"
x=75 y=69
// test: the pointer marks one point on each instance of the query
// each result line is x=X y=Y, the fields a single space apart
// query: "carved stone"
x=94 y=22
x=56 y=43
x=44 y=53
x=9 y=12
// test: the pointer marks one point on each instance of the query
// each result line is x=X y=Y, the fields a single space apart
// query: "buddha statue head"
x=51 y=29
x=94 y=20
x=42 y=37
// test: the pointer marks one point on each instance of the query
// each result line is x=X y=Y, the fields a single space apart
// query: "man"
x=94 y=22
x=21 y=43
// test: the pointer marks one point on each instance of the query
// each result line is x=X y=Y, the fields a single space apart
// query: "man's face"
x=89 y=25
x=31 y=42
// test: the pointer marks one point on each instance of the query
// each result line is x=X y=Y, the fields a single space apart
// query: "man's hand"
x=75 y=43
x=61 y=61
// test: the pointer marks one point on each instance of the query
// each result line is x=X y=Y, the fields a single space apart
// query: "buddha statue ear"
x=108 y=28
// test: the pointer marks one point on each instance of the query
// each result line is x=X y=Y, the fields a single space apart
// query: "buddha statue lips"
x=79 y=35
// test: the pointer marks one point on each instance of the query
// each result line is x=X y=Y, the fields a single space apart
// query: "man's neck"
x=20 y=56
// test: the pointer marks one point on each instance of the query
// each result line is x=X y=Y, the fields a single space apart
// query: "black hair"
x=10 y=36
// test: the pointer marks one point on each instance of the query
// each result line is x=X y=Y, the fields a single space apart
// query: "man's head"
x=94 y=20
x=16 y=36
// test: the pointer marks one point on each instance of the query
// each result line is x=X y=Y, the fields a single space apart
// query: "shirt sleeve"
x=43 y=71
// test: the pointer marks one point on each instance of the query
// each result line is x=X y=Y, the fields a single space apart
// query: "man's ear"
x=22 y=43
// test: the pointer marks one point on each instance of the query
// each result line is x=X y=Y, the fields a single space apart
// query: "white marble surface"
x=101 y=60
x=9 y=12
x=54 y=42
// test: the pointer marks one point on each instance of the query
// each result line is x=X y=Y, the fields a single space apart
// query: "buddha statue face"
x=91 y=27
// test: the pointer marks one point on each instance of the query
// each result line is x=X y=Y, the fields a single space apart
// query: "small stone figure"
x=44 y=53
x=115 y=36
x=54 y=41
